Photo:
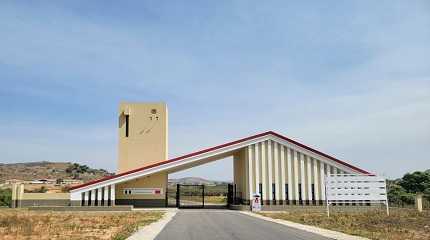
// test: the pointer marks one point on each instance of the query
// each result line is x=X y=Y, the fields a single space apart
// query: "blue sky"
x=351 y=78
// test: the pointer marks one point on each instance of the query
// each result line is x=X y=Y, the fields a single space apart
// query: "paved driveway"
x=225 y=224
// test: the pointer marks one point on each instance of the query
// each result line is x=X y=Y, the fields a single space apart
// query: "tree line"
x=402 y=191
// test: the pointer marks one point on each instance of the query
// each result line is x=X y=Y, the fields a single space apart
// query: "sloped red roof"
x=218 y=147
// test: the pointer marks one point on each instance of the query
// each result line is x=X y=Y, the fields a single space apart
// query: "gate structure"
x=190 y=196
x=201 y=196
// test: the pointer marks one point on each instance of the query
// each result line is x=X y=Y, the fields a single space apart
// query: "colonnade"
x=284 y=175
x=103 y=196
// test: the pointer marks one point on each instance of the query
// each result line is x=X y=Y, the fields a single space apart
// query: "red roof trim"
x=320 y=153
x=218 y=147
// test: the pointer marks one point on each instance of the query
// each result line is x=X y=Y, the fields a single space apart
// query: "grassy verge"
x=400 y=225
x=23 y=224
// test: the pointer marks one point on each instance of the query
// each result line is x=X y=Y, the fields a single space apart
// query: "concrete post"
x=99 y=196
x=93 y=197
x=269 y=159
x=283 y=166
x=296 y=176
x=257 y=162
x=19 y=195
x=112 y=194
x=14 y=194
x=106 y=196
x=419 y=202
x=290 y=175
x=249 y=158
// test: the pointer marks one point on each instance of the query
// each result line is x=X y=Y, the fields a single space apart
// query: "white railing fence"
x=354 y=189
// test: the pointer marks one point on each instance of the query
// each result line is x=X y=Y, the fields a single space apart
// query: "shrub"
x=5 y=197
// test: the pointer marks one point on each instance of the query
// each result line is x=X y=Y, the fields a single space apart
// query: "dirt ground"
x=402 y=224
x=24 y=224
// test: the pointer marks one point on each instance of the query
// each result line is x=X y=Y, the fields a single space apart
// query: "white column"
x=20 y=195
x=250 y=171
x=278 y=183
x=282 y=150
x=112 y=194
x=99 y=196
x=264 y=170
x=13 y=197
x=257 y=168
x=296 y=175
x=316 y=179
x=93 y=197
x=309 y=174
x=269 y=168
x=322 y=181
x=86 y=198
x=106 y=195
x=302 y=176
x=290 y=174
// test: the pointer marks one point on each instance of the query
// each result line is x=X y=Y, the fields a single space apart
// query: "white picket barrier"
x=355 y=189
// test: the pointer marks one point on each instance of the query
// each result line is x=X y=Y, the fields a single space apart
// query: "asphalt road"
x=225 y=224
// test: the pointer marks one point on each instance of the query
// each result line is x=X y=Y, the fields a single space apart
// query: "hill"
x=195 y=180
x=49 y=170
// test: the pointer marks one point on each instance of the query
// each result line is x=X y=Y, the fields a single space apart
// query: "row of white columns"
x=107 y=194
x=274 y=165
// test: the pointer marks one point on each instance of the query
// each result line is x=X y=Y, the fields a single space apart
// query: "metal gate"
x=201 y=196
x=190 y=196
x=230 y=195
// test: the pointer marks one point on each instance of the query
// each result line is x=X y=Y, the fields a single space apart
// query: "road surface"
x=225 y=224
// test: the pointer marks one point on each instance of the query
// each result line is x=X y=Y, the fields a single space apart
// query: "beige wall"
x=158 y=180
x=147 y=142
x=21 y=199
x=239 y=170
x=45 y=196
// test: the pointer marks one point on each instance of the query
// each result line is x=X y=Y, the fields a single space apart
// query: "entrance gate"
x=190 y=196
x=201 y=196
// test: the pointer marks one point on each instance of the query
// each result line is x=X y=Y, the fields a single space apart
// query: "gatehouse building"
x=281 y=170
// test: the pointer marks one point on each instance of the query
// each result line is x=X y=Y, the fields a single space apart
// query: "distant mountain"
x=195 y=180
x=49 y=170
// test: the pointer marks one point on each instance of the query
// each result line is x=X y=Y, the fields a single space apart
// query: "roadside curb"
x=320 y=231
x=149 y=232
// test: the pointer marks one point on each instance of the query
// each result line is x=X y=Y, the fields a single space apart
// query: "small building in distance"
x=69 y=182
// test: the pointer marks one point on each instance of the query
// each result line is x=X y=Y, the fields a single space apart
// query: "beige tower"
x=143 y=135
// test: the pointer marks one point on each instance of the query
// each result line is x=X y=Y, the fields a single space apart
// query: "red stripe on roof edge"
x=218 y=147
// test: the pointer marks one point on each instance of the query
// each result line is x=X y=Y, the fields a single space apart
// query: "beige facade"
x=143 y=135
x=143 y=141
x=148 y=183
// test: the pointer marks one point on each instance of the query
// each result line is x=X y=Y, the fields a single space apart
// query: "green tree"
x=398 y=195
x=5 y=197
x=83 y=169
x=416 y=182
